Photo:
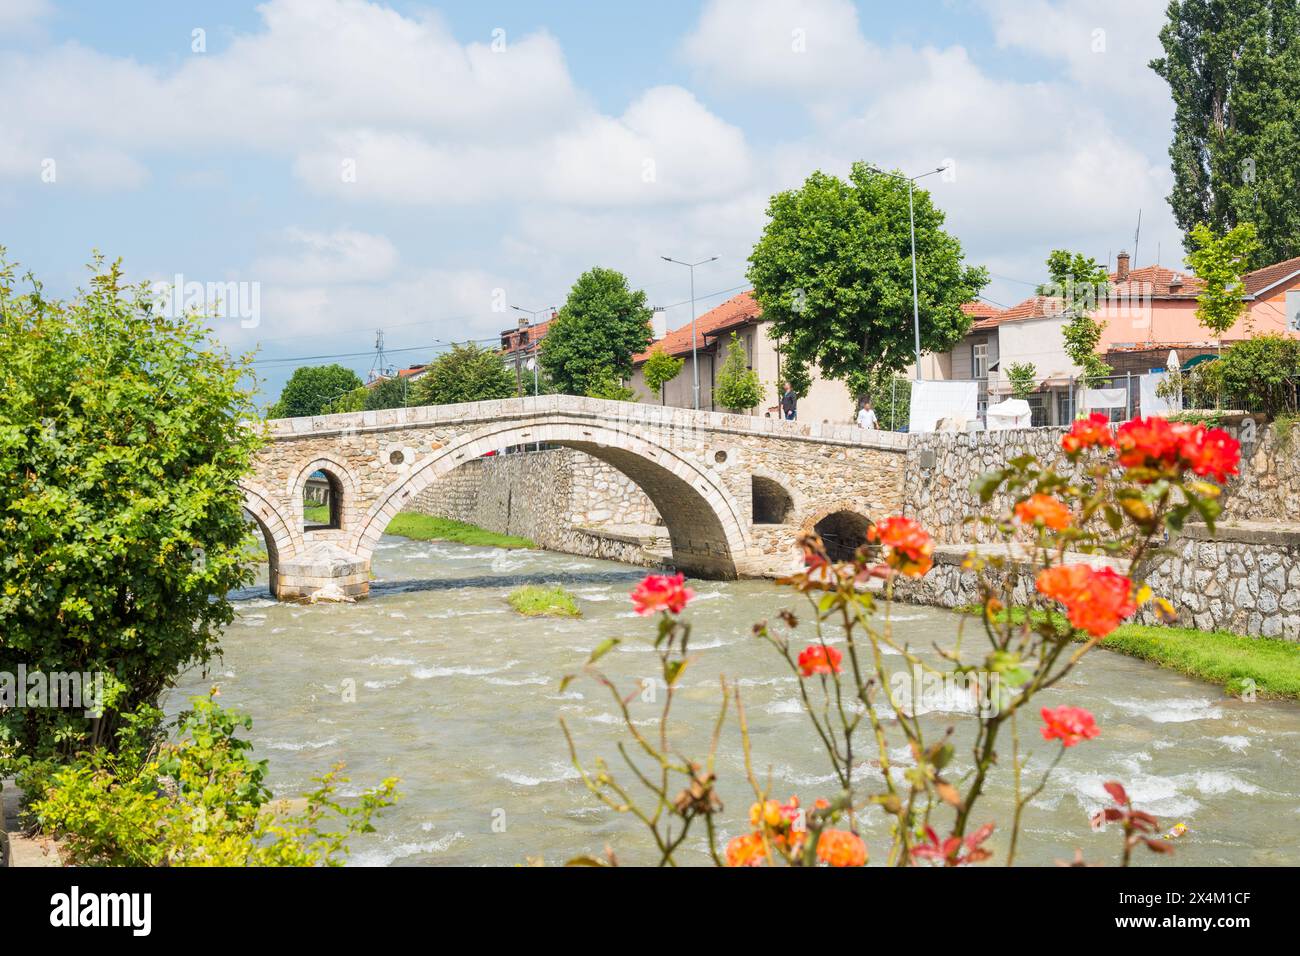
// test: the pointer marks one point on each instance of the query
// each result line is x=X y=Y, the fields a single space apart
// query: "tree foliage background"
x=833 y=273
x=597 y=331
x=1233 y=68
x=123 y=436
x=311 y=390
x=468 y=373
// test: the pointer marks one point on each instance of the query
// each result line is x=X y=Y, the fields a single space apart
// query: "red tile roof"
x=736 y=311
x=1263 y=278
x=1159 y=282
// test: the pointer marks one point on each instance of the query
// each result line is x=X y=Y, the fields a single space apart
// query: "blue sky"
x=497 y=150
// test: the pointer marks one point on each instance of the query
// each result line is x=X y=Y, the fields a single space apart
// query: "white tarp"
x=1105 y=398
x=953 y=403
x=1153 y=404
x=1013 y=413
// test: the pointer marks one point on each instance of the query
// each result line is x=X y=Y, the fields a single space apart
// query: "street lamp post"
x=911 y=218
x=695 y=358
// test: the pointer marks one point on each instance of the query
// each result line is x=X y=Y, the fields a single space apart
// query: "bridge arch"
x=276 y=530
x=843 y=526
x=706 y=526
x=343 y=490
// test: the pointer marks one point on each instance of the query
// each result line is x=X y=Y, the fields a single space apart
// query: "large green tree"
x=1233 y=68
x=833 y=273
x=598 y=330
x=468 y=373
x=124 y=434
x=312 y=388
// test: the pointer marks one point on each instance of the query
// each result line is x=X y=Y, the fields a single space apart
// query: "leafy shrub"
x=1261 y=373
x=123 y=439
x=200 y=802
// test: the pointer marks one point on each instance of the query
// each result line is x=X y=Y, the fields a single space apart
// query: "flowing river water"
x=460 y=697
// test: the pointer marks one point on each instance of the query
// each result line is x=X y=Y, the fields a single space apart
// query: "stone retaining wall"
x=942 y=465
x=562 y=499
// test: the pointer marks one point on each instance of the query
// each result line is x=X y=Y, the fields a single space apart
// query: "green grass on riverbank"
x=1215 y=656
x=533 y=600
x=427 y=528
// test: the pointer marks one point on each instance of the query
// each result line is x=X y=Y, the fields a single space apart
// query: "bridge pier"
x=325 y=572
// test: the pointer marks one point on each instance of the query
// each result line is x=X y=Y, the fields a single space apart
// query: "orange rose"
x=1051 y=511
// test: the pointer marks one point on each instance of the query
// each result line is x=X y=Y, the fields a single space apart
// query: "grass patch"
x=427 y=528
x=1215 y=656
x=316 y=514
x=533 y=600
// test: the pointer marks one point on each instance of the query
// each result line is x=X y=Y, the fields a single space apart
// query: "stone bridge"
x=733 y=490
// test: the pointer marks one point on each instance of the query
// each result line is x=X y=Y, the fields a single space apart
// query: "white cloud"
x=348 y=85
x=810 y=46
x=337 y=257
x=21 y=14
x=1104 y=44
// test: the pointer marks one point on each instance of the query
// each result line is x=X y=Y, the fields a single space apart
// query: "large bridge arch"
x=277 y=530
x=706 y=526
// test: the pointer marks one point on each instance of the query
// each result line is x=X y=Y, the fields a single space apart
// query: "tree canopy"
x=468 y=373
x=123 y=437
x=1220 y=262
x=833 y=273
x=311 y=388
x=659 y=369
x=601 y=326
x=738 y=387
x=1233 y=69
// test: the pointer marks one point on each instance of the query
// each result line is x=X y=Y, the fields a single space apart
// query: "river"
x=460 y=698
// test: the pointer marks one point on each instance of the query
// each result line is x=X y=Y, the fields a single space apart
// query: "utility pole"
x=911 y=217
x=695 y=357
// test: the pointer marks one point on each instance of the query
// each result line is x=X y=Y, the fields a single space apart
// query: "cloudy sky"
x=422 y=167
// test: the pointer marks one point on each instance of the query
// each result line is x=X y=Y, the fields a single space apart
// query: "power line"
x=440 y=342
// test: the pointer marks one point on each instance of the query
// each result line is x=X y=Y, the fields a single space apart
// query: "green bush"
x=1261 y=373
x=738 y=387
x=122 y=444
x=200 y=802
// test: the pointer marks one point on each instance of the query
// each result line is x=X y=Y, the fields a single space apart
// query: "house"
x=1156 y=307
x=1146 y=314
x=826 y=400
x=519 y=347
x=1027 y=333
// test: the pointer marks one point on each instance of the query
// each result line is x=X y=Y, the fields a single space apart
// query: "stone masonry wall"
x=941 y=466
x=562 y=499
x=1245 y=578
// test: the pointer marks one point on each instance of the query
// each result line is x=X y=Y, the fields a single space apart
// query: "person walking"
x=789 y=403
x=867 y=415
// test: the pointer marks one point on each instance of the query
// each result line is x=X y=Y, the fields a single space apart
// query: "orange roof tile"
x=1263 y=278
x=735 y=311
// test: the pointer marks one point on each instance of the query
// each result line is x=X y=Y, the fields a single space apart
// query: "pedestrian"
x=867 y=415
x=789 y=403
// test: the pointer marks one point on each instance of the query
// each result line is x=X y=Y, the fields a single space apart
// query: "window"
x=749 y=349
x=980 y=360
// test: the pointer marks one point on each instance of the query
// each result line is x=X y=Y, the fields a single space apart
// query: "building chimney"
x=523 y=321
x=1121 y=267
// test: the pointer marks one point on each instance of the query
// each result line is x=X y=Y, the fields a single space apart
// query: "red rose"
x=661 y=592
